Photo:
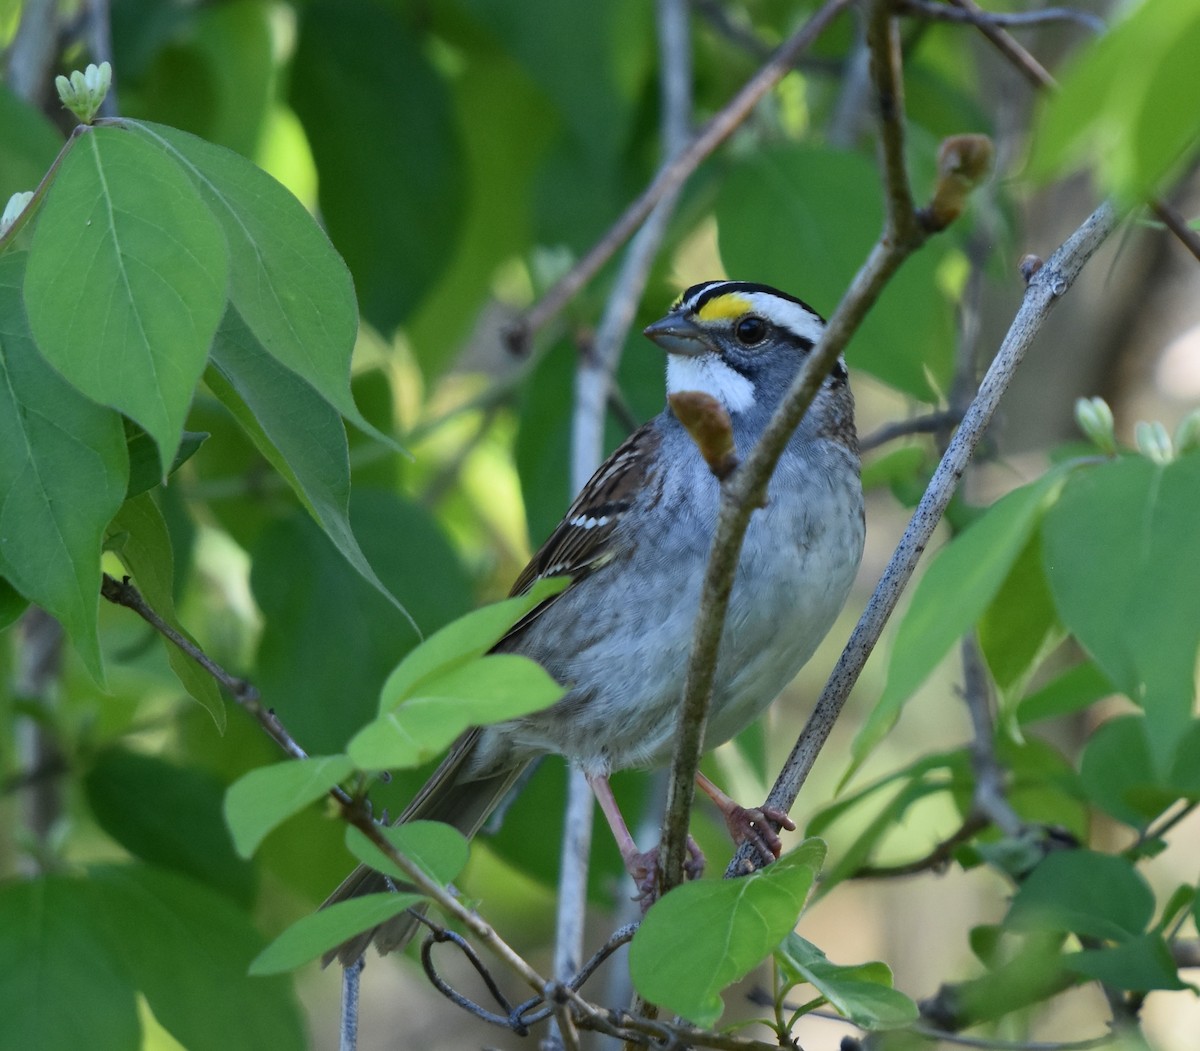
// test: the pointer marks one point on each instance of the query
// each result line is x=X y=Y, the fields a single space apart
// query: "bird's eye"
x=750 y=330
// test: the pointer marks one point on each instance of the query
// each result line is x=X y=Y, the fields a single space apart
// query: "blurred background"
x=463 y=155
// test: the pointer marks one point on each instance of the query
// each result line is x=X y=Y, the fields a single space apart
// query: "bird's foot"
x=756 y=826
x=643 y=869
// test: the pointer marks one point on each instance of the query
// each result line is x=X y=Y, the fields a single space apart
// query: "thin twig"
x=348 y=1030
x=935 y=861
x=1038 y=76
x=245 y=693
x=1022 y=60
x=930 y=9
x=593 y=387
x=1047 y=286
x=887 y=78
x=930 y=423
x=357 y=814
x=746 y=488
x=1178 y=225
x=672 y=176
x=989 y=799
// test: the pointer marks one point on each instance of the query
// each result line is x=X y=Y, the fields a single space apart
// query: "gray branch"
x=1048 y=285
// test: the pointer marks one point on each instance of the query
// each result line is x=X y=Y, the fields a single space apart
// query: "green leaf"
x=63 y=472
x=1139 y=965
x=929 y=780
x=1020 y=627
x=393 y=198
x=49 y=943
x=169 y=816
x=1084 y=892
x=489 y=690
x=12 y=604
x=705 y=935
x=823 y=207
x=330 y=634
x=464 y=640
x=313 y=936
x=127 y=279
x=145 y=551
x=126 y=932
x=506 y=126
x=1070 y=692
x=186 y=948
x=264 y=798
x=862 y=993
x=439 y=849
x=299 y=432
x=954 y=593
x=289 y=287
x=28 y=146
x=1118 y=773
x=1136 y=128
x=1123 y=559
x=145 y=471
x=212 y=73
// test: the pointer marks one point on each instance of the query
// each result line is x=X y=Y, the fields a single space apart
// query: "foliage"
x=301 y=218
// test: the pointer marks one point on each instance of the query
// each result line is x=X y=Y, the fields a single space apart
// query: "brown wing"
x=580 y=544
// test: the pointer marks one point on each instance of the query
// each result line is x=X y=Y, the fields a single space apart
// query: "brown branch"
x=1177 y=224
x=887 y=78
x=746 y=488
x=1004 y=42
x=1038 y=76
x=673 y=175
x=123 y=593
x=935 y=861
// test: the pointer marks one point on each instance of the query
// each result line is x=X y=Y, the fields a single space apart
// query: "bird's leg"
x=747 y=825
x=642 y=865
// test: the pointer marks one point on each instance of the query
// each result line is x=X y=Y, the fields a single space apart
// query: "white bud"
x=1187 y=434
x=12 y=211
x=83 y=93
x=1154 y=442
x=1095 y=419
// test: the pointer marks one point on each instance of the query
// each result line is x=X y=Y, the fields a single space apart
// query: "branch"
x=935 y=861
x=746 y=489
x=930 y=423
x=1048 y=285
x=593 y=390
x=989 y=800
x=123 y=593
x=935 y=11
x=673 y=175
x=1039 y=77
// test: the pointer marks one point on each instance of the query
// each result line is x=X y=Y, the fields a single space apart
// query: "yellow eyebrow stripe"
x=720 y=308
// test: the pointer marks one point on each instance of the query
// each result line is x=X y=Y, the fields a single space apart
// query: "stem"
x=674 y=174
x=1048 y=285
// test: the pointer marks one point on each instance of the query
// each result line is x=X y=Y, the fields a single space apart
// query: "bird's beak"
x=678 y=335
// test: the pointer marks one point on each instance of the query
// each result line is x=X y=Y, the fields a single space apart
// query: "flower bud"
x=83 y=93
x=1095 y=419
x=1154 y=442
x=1187 y=434
x=12 y=211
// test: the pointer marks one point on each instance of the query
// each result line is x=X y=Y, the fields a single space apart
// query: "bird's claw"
x=756 y=826
x=643 y=869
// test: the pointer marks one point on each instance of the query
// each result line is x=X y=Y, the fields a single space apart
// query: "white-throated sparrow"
x=635 y=543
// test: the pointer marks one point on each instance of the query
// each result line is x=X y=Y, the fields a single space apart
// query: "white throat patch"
x=710 y=375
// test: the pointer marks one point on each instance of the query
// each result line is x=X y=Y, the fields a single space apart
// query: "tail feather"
x=451 y=795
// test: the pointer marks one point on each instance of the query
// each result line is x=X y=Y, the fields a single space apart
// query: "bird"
x=634 y=545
